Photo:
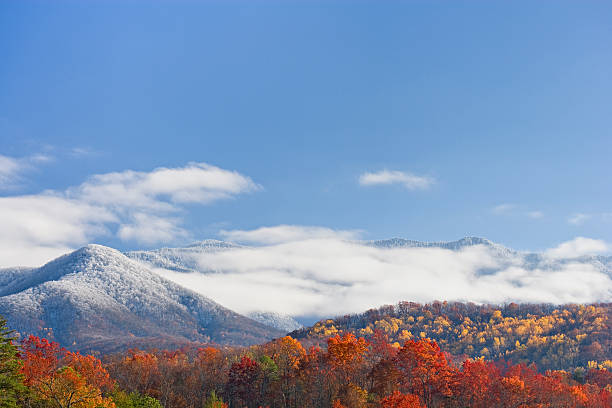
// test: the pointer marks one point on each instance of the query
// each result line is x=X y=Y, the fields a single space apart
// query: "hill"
x=97 y=298
x=554 y=337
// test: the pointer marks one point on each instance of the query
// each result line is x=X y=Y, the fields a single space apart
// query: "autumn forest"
x=409 y=355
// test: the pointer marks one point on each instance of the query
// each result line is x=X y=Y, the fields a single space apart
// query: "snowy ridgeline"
x=188 y=259
x=97 y=295
x=277 y=320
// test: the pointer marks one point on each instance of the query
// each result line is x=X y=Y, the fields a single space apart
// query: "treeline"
x=553 y=337
x=349 y=372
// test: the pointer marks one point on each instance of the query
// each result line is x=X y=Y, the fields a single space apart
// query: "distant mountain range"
x=506 y=256
x=187 y=259
x=97 y=298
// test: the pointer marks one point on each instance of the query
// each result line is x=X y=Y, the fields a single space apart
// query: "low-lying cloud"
x=329 y=275
x=135 y=206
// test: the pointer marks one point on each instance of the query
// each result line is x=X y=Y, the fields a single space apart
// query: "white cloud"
x=385 y=177
x=12 y=169
x=36 y=228
x=502 y=209
x=516 y=210
x=149 y=229
x=535 y=214
x=140 y=206
x=163 y=187
x=286 y=233
x=578 y=247
x=329 y=275
x=578 y=218
x=82 y=152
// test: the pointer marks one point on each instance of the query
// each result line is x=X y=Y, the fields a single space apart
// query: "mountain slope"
x=554 y=337
x=181 y=259
x=279 y=321
x=188 y=259
x=98 y=298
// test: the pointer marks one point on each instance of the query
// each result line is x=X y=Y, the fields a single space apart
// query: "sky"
x=141 y=124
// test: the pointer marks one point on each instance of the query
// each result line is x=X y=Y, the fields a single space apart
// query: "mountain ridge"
x=98 y=295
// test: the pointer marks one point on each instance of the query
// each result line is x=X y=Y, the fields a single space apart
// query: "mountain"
x=187 y=259
x=181 y=259
x=279 y=321
x=505 y=256
x=552 y=336
x=96 y=298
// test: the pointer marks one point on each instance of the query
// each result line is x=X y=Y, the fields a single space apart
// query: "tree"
x=425 y=371
x=243 y=382
x=214 y=402
x=64 y=379
x=476 y=384
x=134 y=400
x=11 y=378
x=399 y=400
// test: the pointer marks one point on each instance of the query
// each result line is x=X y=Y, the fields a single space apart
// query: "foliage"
x=349 y=371
x=356 y=373
x=123 y=399
x=562 y=337
x=11 y=379
x=64 y=379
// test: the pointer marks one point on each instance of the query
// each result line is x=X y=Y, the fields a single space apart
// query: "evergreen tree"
x=11 y=379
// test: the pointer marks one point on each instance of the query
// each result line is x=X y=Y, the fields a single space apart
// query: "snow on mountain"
x=504 y=256
x=97 y=298
x=321 y=278
x=500 y=250
x=181 y=259
x=279 y=321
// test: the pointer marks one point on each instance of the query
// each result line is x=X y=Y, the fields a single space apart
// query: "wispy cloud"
x=12 y=169
x=9 y=170
x=330 y=275
x=516 y=210
x=504 y=208
x=136 y=206
x=578 y=218
x=287 y=233
x=387 y=177
x=82 y=152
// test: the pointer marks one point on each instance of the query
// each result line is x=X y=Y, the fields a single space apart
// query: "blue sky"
x=504 y=107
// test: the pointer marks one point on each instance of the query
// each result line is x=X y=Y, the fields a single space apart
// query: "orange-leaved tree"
x=399 y=400
x=425 y=371
x=64 y=379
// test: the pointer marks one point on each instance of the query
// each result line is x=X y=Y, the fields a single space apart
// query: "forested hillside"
x=349 y=372
x=553 y=337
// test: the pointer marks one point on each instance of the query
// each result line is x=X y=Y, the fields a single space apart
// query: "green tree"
x=11 y=379
x=134 y=400
x=213 y=401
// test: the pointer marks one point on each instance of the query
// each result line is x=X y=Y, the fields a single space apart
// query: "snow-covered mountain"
x=181 y=259
x=279 y=321
x=504 y=256
x=188 y=259
x=97 y=298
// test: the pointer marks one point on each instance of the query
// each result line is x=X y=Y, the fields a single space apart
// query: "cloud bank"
x=387 y=177
x=135 y=206
x=315 y=274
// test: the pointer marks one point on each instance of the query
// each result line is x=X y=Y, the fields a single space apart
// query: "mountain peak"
x=212 y=243
x=97 y=295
